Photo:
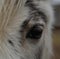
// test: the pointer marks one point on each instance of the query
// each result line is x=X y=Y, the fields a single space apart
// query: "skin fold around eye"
x=35 y=32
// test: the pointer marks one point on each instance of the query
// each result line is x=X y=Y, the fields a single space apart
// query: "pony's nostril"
x=35 y=32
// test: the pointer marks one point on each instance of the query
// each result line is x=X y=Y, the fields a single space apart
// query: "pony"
x=25 y=29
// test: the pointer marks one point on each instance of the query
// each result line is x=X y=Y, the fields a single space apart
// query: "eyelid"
x=38 y=24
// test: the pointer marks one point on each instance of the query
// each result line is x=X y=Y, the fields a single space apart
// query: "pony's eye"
x=35 y=32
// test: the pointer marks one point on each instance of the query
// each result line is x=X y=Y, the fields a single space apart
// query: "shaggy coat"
x=25 y=29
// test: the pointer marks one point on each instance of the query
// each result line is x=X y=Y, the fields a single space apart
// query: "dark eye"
x=35 y=32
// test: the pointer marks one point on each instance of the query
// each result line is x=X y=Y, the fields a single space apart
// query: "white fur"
x=10 y=25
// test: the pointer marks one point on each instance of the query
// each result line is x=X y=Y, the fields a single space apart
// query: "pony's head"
x=25 y=29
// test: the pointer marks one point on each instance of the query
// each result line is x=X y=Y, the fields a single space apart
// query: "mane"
x=8 y=11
